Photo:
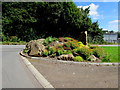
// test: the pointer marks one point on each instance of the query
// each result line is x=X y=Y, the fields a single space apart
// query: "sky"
x=106 y=13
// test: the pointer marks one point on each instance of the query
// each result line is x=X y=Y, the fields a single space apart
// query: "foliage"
x=95 y=34
x=106 y=58
x=49 y=40
x=51 y=50
x=76 y=44
x=13 y=43
x=67 y=46
x=98 y=52
x=118 y=34
x=4 y=38
x=33 y=20
x=25 y=51
x=112 y=52
x=67 y=52
x=14 y=39
x=59 y=52
x=84 y=52
x=71 y=43
x=59 y=47
x=78 y=58
x=45 y=53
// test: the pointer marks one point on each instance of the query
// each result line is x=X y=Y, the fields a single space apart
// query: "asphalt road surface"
x=14 y=72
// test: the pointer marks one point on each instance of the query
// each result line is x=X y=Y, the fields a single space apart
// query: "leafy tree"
x=118 y=34
x=95 y=33
x=32 y=20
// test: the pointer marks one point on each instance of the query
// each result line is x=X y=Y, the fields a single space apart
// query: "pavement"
x=73 y=75
x=14 y=72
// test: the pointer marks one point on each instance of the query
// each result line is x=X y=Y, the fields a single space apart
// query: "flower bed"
x=65 y=48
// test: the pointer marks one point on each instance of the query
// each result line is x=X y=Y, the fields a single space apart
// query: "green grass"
x=113 y=52
x=12 y=43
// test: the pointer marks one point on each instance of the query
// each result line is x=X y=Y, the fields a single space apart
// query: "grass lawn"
x=113 y=52
x=13 y=43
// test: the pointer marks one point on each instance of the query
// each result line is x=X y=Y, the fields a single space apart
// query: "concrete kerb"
x=72 y=62
x=36 y=73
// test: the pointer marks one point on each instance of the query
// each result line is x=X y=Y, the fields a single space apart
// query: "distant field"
x=113 y=52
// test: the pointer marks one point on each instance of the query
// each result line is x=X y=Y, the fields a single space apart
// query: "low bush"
x=51 y=50
x=67 y=52
x=59 y=52
x=10 y=38
x=49 y=40
x=53 y=55
x=84 y=52
x=98 y=52
x=106 y=58
x=93 y=47
x=67 y=46
x=74 y=44
x=14 y=39
x=78 y=59
x=69 y=38
x=60 y=47
x=45 y=53
x=25 y=51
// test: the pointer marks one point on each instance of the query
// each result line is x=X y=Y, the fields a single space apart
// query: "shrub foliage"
x=33 y=20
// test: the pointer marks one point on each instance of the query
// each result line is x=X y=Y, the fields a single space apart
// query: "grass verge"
x=13 y=43
x=113 y=52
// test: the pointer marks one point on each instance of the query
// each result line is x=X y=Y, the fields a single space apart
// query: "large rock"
x=40 y=40
x=66 y=57
x=35 y=48
x=56 y=43
x=92 y=58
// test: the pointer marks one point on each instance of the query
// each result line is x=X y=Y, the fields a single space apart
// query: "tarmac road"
x=14 y=72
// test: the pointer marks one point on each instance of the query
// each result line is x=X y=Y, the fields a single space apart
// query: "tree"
x=95 y=33
x=18 y=19
x=33 y=20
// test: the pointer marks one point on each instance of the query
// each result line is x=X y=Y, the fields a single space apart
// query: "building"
x=111 y=37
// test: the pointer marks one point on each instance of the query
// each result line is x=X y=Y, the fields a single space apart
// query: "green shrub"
x=14 y=39
x=4 y=38
x=81 y=44
x=69 y=38
x=22 y=42
x=59 y=52
x=67 y=46
x=49 y=40
x=74 y=44
x=106 y=58
x=67 y=52
x=45 y=53
x=60 y=46
x=98 y=52
x=10 y=39
x=84 y=52
x=25 y=51
x=52 y=50
x=53 y=55
x=78 y=58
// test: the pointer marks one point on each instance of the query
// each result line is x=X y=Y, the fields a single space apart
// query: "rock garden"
x=65 y=48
